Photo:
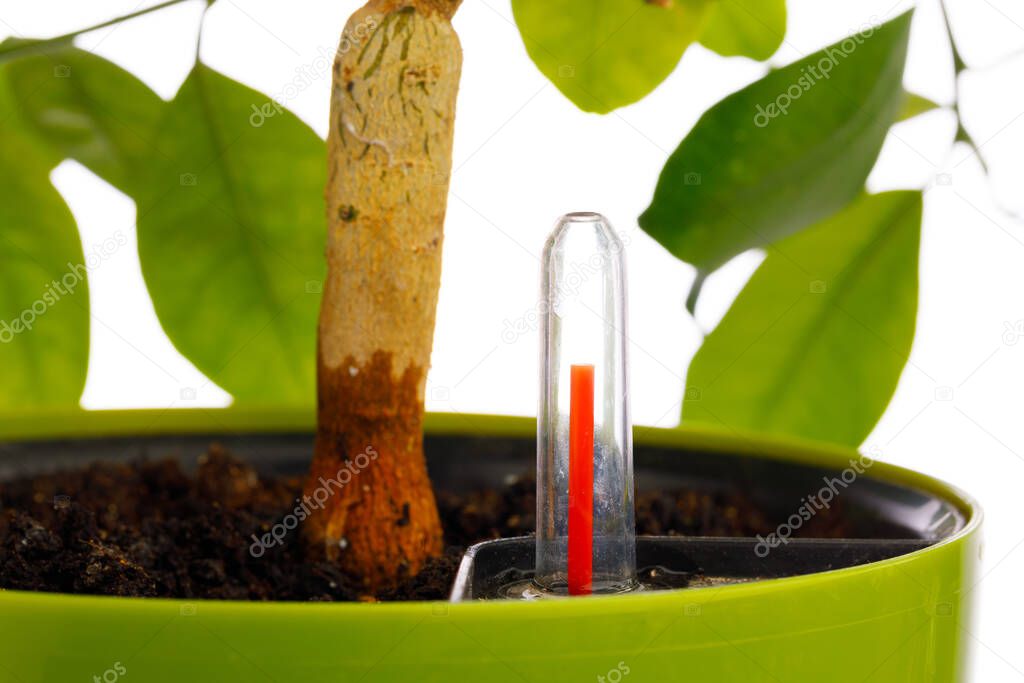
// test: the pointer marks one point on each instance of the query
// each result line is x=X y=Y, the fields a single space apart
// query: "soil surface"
x=149 y=529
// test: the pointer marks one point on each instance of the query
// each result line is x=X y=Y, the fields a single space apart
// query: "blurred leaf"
x=748 y=28
x=756 y=168
x=605 y=54
x=914 y=105
x=44 y=295
x=90 y=110
x=13 y=43
x=231 y=235
x=230 y=213
x=815 y=343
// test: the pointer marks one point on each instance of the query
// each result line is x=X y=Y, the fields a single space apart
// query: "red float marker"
x=581 y=480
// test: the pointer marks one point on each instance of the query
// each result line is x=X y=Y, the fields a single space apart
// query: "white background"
x=524 y=155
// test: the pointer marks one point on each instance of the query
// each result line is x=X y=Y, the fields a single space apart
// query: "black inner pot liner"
x=884 y=519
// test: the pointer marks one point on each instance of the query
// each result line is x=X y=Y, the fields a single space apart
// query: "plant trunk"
x=395 y=80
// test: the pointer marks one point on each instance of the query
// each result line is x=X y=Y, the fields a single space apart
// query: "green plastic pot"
x=894 y=620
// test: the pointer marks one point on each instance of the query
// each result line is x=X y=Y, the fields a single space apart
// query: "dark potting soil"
x=148 y=529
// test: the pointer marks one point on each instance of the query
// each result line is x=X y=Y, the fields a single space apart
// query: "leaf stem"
x=695 y=290
x=24 y=49
x=694 y=295
x=959 y=66
x=199 y=32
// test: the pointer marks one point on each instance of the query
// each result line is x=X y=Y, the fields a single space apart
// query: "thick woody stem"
x=445 y=8
x=389 y=152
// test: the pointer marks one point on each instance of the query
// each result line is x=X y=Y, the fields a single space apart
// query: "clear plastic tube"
x=586 y=539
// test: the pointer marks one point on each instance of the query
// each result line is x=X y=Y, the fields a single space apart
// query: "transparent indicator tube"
x=586 y=538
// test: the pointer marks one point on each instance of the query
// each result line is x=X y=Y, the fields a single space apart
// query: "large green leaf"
x=757 y=168
x=44 y=295
x=749 y=28
x=815 y=343
x=604 y=54
x=90 y=110
x=231 y=234
x=229 y=192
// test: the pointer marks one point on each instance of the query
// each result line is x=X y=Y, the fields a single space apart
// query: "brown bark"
x=389 y=156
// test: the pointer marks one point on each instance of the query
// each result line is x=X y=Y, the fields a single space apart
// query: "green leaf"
x=230 y=213
x=750 y=173
x=44 y=294
x=913 y=105
x=605 y=54
x=815 y=343
x=90 y=110
x=231 y=235
x=748 y=28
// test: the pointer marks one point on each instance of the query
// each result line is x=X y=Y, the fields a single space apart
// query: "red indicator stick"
x=581 y=479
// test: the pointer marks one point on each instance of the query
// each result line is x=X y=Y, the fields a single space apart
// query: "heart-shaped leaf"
x=782 y=153
x=229 y=192
x=231 y=235
x=748 y=28
x=815 y=343
x=605 y=54
x=90 y=110
x=44 y=293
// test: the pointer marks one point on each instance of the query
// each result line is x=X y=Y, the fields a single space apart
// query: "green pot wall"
x=895 y=620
